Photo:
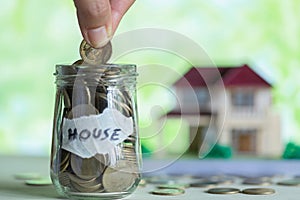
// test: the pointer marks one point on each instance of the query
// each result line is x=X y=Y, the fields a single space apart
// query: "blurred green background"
x=36 y=35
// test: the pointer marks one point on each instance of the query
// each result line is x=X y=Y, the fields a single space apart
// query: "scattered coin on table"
x=223 y=191
x=258 y=191
x=168 y=192
x=39 y=182
x=289 y=182
x=173 y=186
x=257 y=181
x=204 y=184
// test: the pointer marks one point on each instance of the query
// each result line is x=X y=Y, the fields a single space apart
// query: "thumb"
x=95 y=21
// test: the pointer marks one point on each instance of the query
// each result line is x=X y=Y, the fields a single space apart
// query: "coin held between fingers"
x=94 y=56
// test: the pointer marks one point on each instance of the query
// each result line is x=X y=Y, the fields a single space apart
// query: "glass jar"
x=95 y=145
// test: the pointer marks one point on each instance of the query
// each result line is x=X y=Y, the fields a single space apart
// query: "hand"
x=99 y=19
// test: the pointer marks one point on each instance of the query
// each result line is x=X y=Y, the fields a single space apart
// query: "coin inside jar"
x=86 y=168
x=120 y=177
x=95 y=56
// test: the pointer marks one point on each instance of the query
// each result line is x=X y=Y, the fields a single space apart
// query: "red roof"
x=231 y=76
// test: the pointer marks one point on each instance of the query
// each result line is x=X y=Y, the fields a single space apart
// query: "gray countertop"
x=10 y=188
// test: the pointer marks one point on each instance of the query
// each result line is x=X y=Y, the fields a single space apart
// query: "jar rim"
x=70 y=69
x=110 y=74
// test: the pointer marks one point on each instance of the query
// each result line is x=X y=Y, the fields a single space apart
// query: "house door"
x=244 y=141
x=196 y=139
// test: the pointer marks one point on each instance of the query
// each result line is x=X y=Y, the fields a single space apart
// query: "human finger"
x=95 y=21
x=118 y=10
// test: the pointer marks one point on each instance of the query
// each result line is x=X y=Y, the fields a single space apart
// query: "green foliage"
x=292 y=151
x=36 y=35
x=220 y=151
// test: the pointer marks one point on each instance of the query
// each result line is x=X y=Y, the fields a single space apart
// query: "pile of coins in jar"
x=116 y=171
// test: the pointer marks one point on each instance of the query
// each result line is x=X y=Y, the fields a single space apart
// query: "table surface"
x=11 y=188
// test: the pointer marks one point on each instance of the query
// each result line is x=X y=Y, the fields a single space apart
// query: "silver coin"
x=121 y=177
x=85 y=168
x=290 y=182
x=78 y=180
x=173 y=186
x=103 y=159
x=112 y=71
x=223 y=191
x=64 y=179
x=78 y=62
x=39 y=182
x=204 y=184
x=168 y=192
x=258 y=191
x=256 y=181
x=87 y=188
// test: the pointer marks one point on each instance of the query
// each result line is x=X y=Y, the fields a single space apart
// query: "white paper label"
x=89 y=135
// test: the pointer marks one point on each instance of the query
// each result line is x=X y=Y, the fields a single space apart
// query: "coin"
x=112 y=71
x=204 y=184
x=85 y=168
x=91 y=187
x=168 y=192
x=64 y=179
x=223 y=191
x=220 y=179
x=78 y=62
x=258 y=191
x=173 y=186
x=94 y=56
x=121 y=177
x=290 y=182
x=40 y=182
x=257 y=181
x=76 y=179
x=64 y=163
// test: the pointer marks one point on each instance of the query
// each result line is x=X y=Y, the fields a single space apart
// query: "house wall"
x=260 y=117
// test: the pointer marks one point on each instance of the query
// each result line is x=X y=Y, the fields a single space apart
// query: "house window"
x=243 y=98
x=202 y=96
x=199 y=96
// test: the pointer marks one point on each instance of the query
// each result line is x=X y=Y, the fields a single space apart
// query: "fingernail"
x=98 y=37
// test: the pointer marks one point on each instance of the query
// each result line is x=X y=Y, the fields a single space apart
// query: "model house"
x=232 y=105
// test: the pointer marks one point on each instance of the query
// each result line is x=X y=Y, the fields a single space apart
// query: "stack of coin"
x=113 y=172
